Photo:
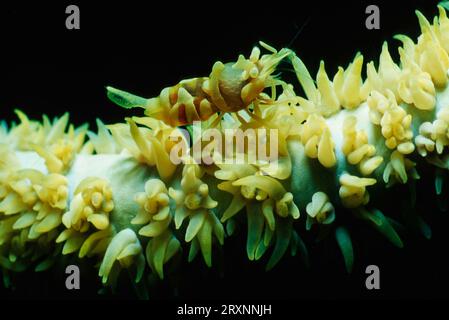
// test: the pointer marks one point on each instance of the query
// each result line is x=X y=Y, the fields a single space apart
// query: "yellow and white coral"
x=39 y=162
x=31 y=206
x=37 y=199
x=394 y=121
x=89 y=210
x=348 y=83
x=125 y=248
x=400 y=168
x=319 y=210
x=434 y=135
x=146 y=145
x=317 y=140
x=357 y=149
x=385 y=78
x=154 y=210
x=353 y=191
x=193 y=201
x=156 y=217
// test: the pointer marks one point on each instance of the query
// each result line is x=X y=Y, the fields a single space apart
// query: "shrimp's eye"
x=254 y=72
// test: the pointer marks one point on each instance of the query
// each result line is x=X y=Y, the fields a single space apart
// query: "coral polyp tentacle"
x=136 y=194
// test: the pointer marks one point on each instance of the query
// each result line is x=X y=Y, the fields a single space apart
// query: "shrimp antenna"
x=298 y=32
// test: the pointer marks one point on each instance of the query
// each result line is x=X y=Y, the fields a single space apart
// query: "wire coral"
x=118 y=195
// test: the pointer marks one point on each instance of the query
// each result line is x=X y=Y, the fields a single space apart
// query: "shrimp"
x=230 y=87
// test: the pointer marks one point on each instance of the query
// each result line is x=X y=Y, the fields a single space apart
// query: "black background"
x=143 y=48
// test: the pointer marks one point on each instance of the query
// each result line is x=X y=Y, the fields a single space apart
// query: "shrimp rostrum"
x=230 y=87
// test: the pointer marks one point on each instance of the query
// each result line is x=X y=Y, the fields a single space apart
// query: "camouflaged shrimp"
x=230 y=87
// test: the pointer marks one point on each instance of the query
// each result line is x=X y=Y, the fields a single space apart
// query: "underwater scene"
x=278 y=152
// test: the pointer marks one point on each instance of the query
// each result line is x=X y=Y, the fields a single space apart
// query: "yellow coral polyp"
x=385 y=78
x=394 y=121
x=397 y=167
x=267 y=187
x=442 y=29
x=40 y=198
x=125 y=248
x=357 y=149
x=160 y=250
x=317 y=140
x=92 y=204
x=353 y=190
x=319 y=210
x=151 y=151
x=18 y=192
x=322 y=97
x=433 y=59
x=150 y=145
x=329 y=98
x=395 y=125
x=434 y=135
x=416 y=86
x=31 y=204
x=155 y=209
x=54 y=191
x=194 y=194
x=102 y=142
x=194 y=201
x=89 y=211
x=348 y=83
x=234 y=171
x=156 y=217
x=50 y=141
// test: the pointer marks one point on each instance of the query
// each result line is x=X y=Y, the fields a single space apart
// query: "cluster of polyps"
x=119 y=198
